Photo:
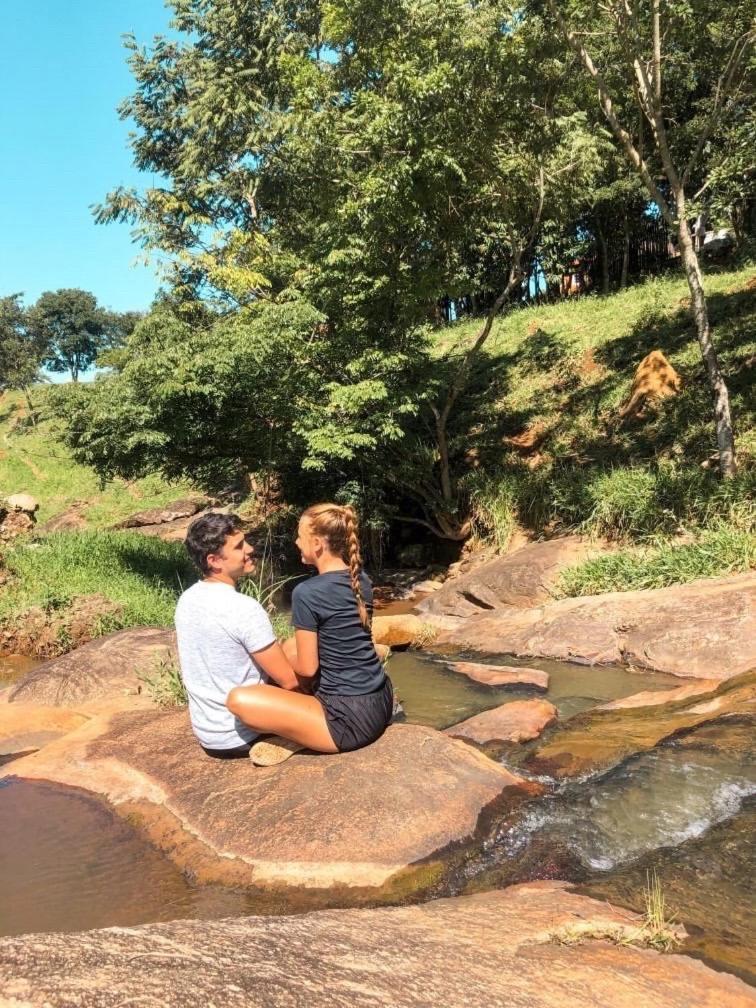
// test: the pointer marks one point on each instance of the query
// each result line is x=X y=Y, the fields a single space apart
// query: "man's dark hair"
x=208 y=534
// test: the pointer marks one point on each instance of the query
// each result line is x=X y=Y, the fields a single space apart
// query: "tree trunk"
x=722 y=417
x=604 y=248
x=625 y=254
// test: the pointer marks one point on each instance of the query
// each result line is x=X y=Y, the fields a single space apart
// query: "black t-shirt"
x=326 y=603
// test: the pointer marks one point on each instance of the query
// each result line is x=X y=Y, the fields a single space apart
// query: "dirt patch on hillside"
x=49 y=631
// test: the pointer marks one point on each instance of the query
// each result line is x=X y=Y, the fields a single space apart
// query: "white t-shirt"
x=217 y=627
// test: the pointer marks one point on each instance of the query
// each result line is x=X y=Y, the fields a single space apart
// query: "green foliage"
x=70 y=326
x=143 y=575
x=718 y=551
x=165 y=685
x=20 y=350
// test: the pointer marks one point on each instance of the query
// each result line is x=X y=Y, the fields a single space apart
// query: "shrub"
x=718 y=551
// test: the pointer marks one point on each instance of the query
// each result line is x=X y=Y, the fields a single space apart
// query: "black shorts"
x=356 y=721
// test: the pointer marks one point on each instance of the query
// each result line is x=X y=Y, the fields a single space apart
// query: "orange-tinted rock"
x=503 y=675
x=104 y=668
x=24 y=727
x=705 y=629
x=596 y=740
x=399 y=630
x=494 y=950
x=371 y=819
x=651 y=698
x=520 y=579
x=519 y=721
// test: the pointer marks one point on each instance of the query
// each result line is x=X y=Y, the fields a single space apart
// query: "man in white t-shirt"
x=225 y=639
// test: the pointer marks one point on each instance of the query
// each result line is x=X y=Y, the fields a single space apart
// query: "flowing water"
x=685 y=809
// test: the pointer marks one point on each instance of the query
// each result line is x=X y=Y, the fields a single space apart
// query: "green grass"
x=142 y=575
x=717 y=551
x=563 y=370
x=33 y=461
x=165 y=685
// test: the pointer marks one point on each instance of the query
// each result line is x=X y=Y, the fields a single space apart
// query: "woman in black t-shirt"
x=332 y=654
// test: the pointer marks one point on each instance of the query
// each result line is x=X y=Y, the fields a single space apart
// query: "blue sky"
x=63 y=147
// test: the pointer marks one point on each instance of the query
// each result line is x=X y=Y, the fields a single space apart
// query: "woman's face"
x=309 y=545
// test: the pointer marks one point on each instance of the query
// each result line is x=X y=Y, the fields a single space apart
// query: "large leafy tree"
x=72 y=328
x=20 y=352
x=358 y=162
x=671 y=79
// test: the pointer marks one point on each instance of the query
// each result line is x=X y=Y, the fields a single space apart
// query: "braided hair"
x=337 y=524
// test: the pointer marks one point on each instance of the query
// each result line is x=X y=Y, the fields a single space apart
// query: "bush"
x=721 y=550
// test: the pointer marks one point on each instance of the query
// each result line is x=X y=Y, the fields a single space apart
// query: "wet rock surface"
x=24 y=727
x=518 y=721
x=709 y=884
x=520 y=579
x=494 y=949
x=513 y=676
x=102 y=669
x=378 y=816
x=705 y=629
x=597 y=740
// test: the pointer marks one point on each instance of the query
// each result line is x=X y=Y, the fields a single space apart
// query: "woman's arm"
x=307 y=661
x=277 y=666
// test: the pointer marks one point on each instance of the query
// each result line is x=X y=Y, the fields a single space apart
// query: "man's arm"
x=276 y=665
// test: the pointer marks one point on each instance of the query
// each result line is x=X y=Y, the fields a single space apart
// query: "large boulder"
x=497 y=950
x=520 y=579
x=705 y=629
x=378 y=820
x=599 y=739
x=518 y=721
x=22 y=502
x=102 y=669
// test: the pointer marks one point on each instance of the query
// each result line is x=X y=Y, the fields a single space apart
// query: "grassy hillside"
x=32 y=461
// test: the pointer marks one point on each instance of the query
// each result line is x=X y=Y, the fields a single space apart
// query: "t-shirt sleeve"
x=303 y=615
x=253 y=627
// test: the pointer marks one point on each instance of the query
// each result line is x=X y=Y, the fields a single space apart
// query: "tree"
x=20 y=351
x=685 y=70
x=362 y=161
x=71 y=327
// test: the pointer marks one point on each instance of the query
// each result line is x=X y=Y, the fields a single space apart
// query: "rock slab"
x=519 y=721
x=493 y=950
x=102 y=669
x=705 y=629
x=520 y=579
x=354 y=819
x=513 y=676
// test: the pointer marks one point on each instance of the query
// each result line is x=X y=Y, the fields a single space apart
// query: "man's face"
x=234 y=560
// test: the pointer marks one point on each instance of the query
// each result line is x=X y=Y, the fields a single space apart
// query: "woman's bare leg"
x=295 y=716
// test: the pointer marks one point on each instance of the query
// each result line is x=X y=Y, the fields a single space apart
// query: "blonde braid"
x=354 y=560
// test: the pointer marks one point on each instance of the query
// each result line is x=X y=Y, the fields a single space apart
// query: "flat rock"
x=70 y=520
x=654 y=698
x=495 y=950
x=184 y=508
x=26 y=726
x=398 y=630
x=705 y=629
x=518 y=721
x=106 y=667
x=599 y=739
x=503 y=675
x=378 y=817
x=520 y=579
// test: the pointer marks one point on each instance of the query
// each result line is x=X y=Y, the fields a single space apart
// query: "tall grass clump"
x=142 y=575
x=717 y=551
x=494 y=507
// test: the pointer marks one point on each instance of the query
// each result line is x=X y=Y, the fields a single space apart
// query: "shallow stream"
x=67 y=862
